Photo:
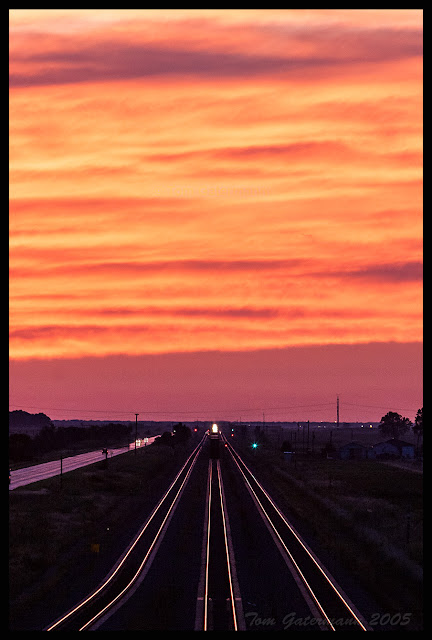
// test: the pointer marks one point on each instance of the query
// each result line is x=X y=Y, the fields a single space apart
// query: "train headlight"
x=214 y=428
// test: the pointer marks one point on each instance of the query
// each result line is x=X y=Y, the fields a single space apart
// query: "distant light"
x=215 y=428
x=254 y=445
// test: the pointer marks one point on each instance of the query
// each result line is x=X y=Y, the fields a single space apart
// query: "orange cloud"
x=186 y=181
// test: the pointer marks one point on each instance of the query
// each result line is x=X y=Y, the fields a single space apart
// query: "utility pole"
x=337 y=412
x=136 y=430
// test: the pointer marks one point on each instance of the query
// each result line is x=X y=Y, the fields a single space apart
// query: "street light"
x=136 y=430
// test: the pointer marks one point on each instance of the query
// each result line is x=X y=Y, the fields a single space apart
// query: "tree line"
x=23 y=447
x=180 y=434
x=394 y=425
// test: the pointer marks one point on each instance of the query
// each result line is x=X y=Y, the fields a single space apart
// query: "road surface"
x=28 y=475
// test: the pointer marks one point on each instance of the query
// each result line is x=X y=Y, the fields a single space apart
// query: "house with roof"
x=393 y=448
x=353 y=451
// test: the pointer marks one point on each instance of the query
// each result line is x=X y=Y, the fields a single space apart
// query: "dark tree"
x=418 y=423
x=23 y=419
x=46 y=439
x=165 y=439
x=394 y=425
x=182 y=433
x=286 y=445
x=418 y=427
x=20 y=447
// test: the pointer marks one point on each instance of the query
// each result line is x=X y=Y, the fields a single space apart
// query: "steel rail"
x=215 y=501
x=114 y=571
x=323 y=571
x=207 y=560
x=146 y=557
x=235 y=599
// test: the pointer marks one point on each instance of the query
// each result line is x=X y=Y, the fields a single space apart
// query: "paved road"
x=27 y=475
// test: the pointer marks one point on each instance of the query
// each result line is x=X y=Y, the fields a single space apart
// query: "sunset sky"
x=215 y=213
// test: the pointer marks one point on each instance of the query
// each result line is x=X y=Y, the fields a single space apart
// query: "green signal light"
x=254 y=445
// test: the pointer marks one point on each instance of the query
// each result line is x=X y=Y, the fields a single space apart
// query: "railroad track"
x=330 y=607
x=132 y=566
x=219 y=604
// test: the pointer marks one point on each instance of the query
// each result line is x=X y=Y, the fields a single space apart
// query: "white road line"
x=44 y=470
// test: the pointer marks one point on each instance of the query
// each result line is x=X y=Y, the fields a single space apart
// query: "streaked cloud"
x=397 y=273
x=180 y=48
x=186 y=181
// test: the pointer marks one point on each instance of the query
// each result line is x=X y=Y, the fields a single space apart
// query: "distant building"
x=288 y=456
x=392 y=448
x=353 y=451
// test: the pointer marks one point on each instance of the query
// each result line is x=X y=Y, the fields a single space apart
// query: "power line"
x=16 y=406
x=194 y=412
x=209 y=412
x=374 y=406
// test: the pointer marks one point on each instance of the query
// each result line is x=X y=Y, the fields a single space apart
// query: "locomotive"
x=214 y=437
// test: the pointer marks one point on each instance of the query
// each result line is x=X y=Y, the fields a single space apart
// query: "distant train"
x=214 y=437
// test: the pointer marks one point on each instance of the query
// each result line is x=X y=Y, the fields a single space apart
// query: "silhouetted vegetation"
x=394 y=425
x=21 y=419
x=23 y=447
x=418 y=424
x=179 y=434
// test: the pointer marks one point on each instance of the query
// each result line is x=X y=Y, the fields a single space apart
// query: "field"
x=320 y=436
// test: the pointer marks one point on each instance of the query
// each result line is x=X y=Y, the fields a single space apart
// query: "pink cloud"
x=42 y=59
